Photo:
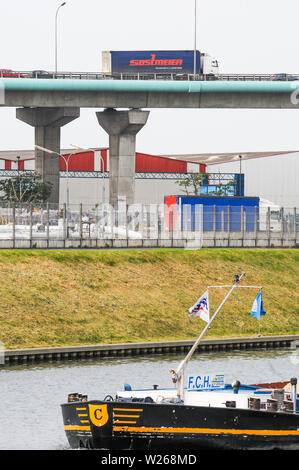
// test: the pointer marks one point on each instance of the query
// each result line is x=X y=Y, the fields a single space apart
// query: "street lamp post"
x=66 y=160
x=56 y=15
x=102 y=166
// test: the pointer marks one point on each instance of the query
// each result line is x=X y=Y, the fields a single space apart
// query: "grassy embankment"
x=59 y=298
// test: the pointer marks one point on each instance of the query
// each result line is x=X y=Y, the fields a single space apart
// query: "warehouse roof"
x=28 y=154
x=206 y=158
x=215 y=158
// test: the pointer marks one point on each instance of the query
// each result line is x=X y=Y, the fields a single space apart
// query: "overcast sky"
x=245 y=36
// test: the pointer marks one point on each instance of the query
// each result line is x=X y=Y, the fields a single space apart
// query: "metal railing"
x=86 y=222
x=147 y=76
x=214 y=178
x=140 y=221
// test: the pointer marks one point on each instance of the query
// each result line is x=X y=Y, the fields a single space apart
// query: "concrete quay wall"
x=49 y=354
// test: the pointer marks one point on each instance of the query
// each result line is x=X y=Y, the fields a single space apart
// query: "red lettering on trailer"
x=154 y=61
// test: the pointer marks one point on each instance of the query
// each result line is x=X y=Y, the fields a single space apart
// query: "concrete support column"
x=47 y=123
x=122 y=127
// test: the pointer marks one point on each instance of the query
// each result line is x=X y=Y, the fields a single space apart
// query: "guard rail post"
x=228 y=225
x=214 y=224
x=244 y=226
x=268 y=227
x=64 y=224
x=283 y=225
x=148 y=221
x=171 y=225
x=178 y=220
x=255 y=225
x=242 y=218
x=80 y=224
x=48 y=225
x=126 y=219
x=30 y=225
x=13 y=225
x=159 y=235
x=142 y=222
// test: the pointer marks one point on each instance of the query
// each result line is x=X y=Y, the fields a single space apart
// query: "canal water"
x=31 y=395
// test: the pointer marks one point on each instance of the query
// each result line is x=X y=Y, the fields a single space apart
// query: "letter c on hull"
x=98 y=414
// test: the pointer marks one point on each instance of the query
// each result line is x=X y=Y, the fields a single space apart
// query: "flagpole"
x=178 y=375
x=259 y=329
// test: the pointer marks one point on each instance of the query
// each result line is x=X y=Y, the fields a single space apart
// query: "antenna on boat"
x=178 y=375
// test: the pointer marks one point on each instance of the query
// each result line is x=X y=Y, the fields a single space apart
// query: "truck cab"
x=210 y=65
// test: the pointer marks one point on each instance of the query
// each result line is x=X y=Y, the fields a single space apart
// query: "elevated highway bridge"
x=117 y=93
x=49 y=103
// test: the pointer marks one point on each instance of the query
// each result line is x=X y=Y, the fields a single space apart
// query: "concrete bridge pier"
x=47 y=123
x=122 y=127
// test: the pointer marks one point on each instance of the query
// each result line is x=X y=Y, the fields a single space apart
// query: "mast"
x=178 y=375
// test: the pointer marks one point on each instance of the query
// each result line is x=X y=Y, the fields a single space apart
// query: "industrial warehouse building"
x=273 y=176
x=155 y=176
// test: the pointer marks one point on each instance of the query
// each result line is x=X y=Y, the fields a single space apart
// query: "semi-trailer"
x=173 y=63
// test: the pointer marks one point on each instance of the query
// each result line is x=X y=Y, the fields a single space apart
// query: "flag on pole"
x=257 y=306
x=201 y=308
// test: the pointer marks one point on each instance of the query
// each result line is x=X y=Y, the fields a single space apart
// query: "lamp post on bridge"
x=194 y=58
x=56 y=15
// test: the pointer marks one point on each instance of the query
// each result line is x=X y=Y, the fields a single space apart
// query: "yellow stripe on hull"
x=70 y=427
x=127 y=409
x=259 y=432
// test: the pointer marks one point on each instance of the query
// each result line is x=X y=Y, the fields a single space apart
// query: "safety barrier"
x=146 y=76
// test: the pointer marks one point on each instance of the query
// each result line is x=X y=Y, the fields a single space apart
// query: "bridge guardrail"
x=153 y=76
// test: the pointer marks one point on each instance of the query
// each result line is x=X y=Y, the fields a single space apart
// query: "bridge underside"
x=147 y=100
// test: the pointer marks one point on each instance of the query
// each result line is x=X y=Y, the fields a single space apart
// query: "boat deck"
x=247 y=397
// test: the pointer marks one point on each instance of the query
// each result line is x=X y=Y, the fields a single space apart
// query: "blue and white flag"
x=257 y=307
x=201 y=308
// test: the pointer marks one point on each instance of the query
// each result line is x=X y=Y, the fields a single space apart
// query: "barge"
x=205 y=414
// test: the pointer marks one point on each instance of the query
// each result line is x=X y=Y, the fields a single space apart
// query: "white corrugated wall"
x=274 y=178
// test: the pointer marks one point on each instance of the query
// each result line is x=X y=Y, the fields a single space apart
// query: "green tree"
x=192 y=182
x=26 y=187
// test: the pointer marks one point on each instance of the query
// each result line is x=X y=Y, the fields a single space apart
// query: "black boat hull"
x=147 y=426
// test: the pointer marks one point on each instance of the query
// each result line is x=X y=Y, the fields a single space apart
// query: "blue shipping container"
x=154 y=62
x=219 y=212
